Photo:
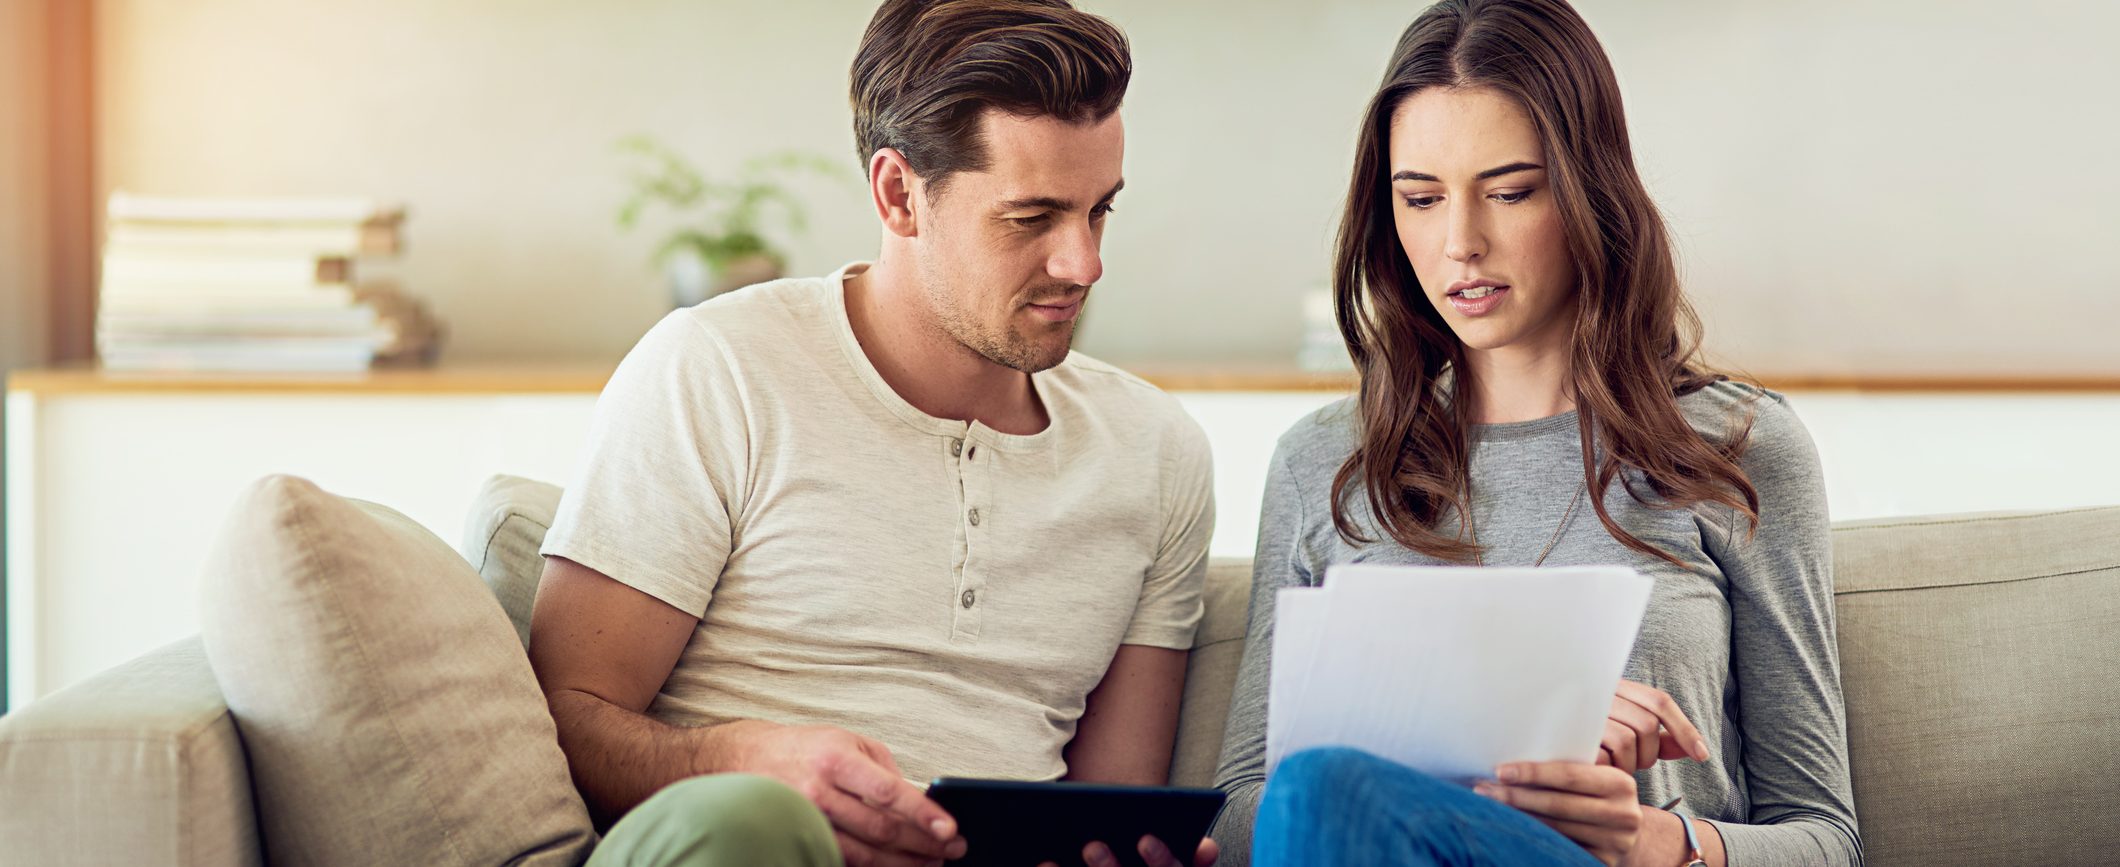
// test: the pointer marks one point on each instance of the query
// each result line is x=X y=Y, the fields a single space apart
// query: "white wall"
x=1910 y=186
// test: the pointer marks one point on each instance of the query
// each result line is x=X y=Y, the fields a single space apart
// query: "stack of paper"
x=1452 y=670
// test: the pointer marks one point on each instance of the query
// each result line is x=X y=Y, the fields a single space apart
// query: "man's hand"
x=1646 y=726
x=880 y=819
x=1594 y=805
x=1152 y=851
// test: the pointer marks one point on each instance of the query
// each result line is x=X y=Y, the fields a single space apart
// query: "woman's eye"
x=1511 y=198
x=1422 y=203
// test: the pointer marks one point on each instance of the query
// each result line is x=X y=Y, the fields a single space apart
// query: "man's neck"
x=928 y=367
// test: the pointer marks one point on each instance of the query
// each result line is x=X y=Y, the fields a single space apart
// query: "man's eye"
x=1099 y=212
x=1029 y=222
x=1511 y=198
x=1422 y=203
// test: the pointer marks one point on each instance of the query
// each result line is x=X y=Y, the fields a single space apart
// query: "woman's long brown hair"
x=1635 y=336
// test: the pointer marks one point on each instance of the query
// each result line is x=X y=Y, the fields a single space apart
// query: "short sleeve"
x=1169 y=608
x=650 y=503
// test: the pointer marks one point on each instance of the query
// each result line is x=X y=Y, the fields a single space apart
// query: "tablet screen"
x=1016 y=824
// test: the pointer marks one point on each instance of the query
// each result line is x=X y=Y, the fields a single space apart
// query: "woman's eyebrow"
x=1495 y=172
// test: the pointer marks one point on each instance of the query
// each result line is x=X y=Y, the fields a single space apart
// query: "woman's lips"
x=1480 y=306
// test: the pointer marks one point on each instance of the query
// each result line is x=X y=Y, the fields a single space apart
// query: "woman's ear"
x=891 y=187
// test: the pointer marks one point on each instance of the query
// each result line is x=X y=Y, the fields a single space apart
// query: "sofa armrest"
x=138 y=765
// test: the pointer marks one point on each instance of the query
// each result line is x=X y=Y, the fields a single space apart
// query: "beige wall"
x=1877 y=186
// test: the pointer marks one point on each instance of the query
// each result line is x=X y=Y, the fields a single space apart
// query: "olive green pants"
x=721 y=821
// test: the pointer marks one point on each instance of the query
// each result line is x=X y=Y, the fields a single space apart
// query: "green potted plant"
x=720 y=240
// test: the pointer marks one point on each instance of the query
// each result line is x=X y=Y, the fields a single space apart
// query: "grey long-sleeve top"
x=1741 y=636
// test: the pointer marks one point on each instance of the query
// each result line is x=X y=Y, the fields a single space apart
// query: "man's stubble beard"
x=1003 y=345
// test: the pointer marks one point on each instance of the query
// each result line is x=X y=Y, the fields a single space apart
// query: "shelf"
x=589 y=378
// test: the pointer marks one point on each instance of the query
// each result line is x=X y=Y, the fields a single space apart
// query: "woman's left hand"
x=1594 y=805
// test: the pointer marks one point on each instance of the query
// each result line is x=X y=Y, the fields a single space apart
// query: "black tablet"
x=1013 y=824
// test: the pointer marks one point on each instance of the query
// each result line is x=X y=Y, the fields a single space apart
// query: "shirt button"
x=969 y=597
x=973 y=516
x=956 y=448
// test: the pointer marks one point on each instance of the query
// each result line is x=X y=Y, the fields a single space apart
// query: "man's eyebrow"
x=1049 y=203
x=1495 y=172
x=1037 y=203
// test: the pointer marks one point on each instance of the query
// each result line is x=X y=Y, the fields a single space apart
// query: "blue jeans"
x=1340 y=806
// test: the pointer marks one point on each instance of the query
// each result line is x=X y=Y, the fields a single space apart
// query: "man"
x=836 y=535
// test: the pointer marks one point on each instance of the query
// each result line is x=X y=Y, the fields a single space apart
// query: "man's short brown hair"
x=928 y=69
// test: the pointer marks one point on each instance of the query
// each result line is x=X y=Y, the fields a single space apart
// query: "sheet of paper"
x=1452 y=670
x=1298 y=612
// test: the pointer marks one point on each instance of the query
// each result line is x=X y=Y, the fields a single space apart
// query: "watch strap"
x=1693 y=853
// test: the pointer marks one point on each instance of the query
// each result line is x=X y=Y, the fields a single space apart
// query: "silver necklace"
x=1479 y=558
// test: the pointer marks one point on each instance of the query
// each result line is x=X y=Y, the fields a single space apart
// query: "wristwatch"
x=1693 y=856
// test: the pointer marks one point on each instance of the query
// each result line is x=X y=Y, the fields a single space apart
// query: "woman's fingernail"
x=1701 y=744
x=1507 y=773
x=940 y=829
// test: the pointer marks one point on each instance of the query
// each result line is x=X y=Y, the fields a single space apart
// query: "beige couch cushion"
x=1211 y=673
x=389 y=713
x=1978 y=658
x=137 y=765
x=507 y=525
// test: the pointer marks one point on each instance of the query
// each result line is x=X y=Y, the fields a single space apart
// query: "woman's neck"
x=1519 y=383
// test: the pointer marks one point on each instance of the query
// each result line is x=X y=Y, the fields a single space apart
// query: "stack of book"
x=242 y=285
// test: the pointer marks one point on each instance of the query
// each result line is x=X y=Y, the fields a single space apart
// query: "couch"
x=1979 y=658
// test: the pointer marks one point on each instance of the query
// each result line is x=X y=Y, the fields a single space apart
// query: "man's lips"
x=1058 y=309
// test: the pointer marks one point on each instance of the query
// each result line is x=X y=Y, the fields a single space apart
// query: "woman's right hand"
x=1646 y=726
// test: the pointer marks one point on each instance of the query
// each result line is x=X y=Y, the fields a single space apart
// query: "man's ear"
x=892 y=187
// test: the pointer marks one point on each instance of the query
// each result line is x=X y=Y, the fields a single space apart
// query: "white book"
x=302 y=239
x=172 y=362
x=214 y=301
x=125 y=267
x=257 y=355
x=175 y=209
x=349 y=322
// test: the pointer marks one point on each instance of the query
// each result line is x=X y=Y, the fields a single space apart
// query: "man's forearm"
x=619 y=758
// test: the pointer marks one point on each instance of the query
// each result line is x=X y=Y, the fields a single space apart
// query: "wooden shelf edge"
x=589 y=378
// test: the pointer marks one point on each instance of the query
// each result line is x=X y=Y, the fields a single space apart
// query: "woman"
x=1529 y=398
